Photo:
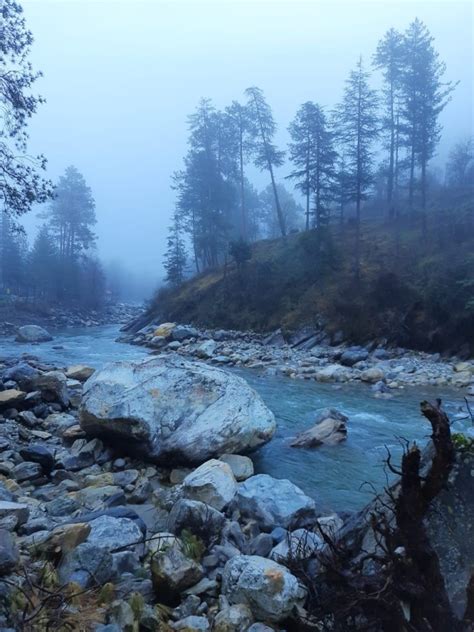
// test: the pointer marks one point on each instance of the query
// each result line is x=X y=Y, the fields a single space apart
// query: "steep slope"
x=414 y=292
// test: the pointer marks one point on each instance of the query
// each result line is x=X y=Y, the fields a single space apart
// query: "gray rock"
x=87 y=565
x=37 y=453
x=212 y=483
x=62 y=506
x=181 y=332
x=192 y=623
x=275 y=502
x=237 y=618
x=206 y=349
x=267 y=588
x=114 y=533
x=298 y=545
x=9 y=554
x=19 y=510
x=241 y=466
x=33 y=333
x=170 y=409
x=328 y=432
x=53 y=387
x=27 y=471
x=197 y=517
x=173 y=572
x=21 y=373
x=353 y=355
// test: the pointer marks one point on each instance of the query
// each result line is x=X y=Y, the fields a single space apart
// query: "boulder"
x=373 y=375
x=79 y=372
x=37 y=453
x=233 y=619
x=274 y=502
x=33 y=333
x=332 y=373
x=196 y=517
x=114 y=533
x=87 y=565
x=53 y=387
x=267 y=588
x=298 y=545
x=182 y=332
x=211 y=483
x=21 y=373
x=353 y=355
x=241 y=466
x=173 y=572
x=329 y=431
x=10 y=398
x=9 y=508
x=192 y=623
x=169 y=409
x=9 y=554
x=206 y=349
x=164 y=330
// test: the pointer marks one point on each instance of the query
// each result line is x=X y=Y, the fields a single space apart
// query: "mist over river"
x=341 y=477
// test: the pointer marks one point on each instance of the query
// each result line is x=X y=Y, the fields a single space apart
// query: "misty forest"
x=236 y=316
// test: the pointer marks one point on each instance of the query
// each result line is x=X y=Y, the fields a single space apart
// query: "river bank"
x=193 y=547
x=15 y=313
x=307 y=355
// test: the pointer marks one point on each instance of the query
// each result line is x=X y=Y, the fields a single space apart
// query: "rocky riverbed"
x=307 y=355
x=125 y=501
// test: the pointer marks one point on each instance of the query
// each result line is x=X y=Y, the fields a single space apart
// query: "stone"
x=234 y=618
x=164 y=330
x=121 y=613
x=86 y=565
x=172 y=573
x=328 y=432
x=212 y=483
x=33 y=333
x=10 y=398
x=274 y=502
x=182 y=332
x=66 y=538
x=192 y=623
x=19 y=510
x=37 y=453
x=196 y=517
x=27 y=471
x=206 y=349
x=298 y=545
x=332 y=373
x=114 y=533
x=21 y=373
x=53 y=387
x=241 y=466
x=79 y=372
x=266 y=587
x=373 y=375
x=62 y=506
x=169 y=409
x=353 y=355
x=9 y=554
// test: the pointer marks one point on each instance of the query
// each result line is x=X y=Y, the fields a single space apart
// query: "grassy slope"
x=413 y=299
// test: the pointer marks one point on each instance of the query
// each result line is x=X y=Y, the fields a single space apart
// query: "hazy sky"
x=121 y=76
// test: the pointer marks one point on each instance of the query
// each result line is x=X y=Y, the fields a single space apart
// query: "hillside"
x=417 y=295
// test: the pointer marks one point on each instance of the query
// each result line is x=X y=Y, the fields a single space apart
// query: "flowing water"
x=341 y=477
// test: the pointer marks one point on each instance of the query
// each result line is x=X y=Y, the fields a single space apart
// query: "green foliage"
x=193 y=546
x=463 y=443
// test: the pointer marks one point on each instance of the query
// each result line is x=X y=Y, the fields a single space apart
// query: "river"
x=342 y=477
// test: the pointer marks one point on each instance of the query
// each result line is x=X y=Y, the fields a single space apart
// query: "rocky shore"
x=126 y=502
x=309 y=355
x=17 y=313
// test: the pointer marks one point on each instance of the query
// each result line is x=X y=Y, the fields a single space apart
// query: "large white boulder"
x=169 y=409
x=275 y=502
x=267 y=588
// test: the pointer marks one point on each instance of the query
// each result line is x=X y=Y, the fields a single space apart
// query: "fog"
x=121 y=77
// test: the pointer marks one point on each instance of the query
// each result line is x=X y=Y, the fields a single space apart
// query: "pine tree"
x=244 y=131
x=313 y=154
x=21 y=183
x=424 y=98
x=266 y=154
x=175 y=257
x=43 y=264
x=389 y=59
x=357 y=123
